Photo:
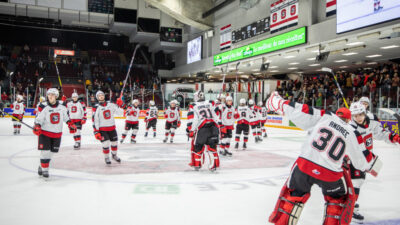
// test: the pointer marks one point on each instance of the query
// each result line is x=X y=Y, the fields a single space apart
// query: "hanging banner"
x=284 y=14
x=225 y=37
x=330 y=7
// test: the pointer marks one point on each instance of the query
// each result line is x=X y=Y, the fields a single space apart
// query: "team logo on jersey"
x=315 y=171
x=55 y=118
x=107 y=114
x=40 y=146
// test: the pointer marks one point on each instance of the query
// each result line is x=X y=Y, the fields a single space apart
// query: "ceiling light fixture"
x=350 y=53
x=390 y=46
x=373 y=56
x=355 y=43
x=341 y=60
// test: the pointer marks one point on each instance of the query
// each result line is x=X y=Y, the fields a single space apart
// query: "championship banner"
x=284 y=14
x=225 y=37
x=391 y=125
x=330 y=7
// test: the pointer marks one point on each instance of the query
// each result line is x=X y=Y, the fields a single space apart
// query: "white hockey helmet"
x=217 y=101
x=260 y=103
x=176 y=101
x=251 y=102
x=98 y=93
x=172 y=102
x=198 y=96
x=357 y=108
x=151 y=103
x=20 y=97
x=221 y=96
x=53 y=91
x=242 y=101
x=74 y=95
x=229 y=98
x=364 y=100
x=135 y=101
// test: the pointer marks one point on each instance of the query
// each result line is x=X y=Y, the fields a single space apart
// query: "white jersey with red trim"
x=228 y=116
x=18 y=108
x=103 y=118
x=203 y=113
x=172 y=114
x=76 y=110
x=152 y=113
x=254 y=114
x=263 y=113
x=51 y=118
x=243 y=114
x=132 y=114
x=329 y=140
x=372 y=130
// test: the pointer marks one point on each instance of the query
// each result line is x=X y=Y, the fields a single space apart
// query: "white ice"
x=230 y=196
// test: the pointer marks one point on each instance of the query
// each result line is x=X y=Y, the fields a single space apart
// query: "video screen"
x=355 y=14
x=194 y=48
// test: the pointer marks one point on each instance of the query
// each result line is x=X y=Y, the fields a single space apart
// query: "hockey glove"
x=97 y=135
x=179 y=124
x=120 y=102
x=275 y=103
x=83 y=121
x=64 y=98
x=72 y=128
x=394 y=138
x=191 y=134
x=37 y=130
x=224 y=130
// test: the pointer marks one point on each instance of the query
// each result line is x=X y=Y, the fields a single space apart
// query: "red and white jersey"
x=172 y=114
x=264 y=113
x=243 y=114
x=76 y=110
x=329 y=140
x=152 y=113
x=203 y=113
x=18 y=108
x=51 y=118
x=103 y=117
x=372 y=130
x=254 y=114
x=132 y=114
x=39 y=107
x=228 y=116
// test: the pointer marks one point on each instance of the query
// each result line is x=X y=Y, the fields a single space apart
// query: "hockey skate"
x=15 y=132
x=40 y=172
x=77 y=146
x=357 y=217
x=18 y=131
x=116 y=158
x=244 y=146
x=45 y=174
x=121 y=141
x=154 y=134
x=171 y=141
x=107 y=160
x=256 y=139
x=227 y=153
x=145 y=134
x=265 y=135
x=237 y=145
x=165 y=140
x=133 y=141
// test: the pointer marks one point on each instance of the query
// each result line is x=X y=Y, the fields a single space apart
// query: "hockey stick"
x=58 y=72
x=129 y=69
x=15 y=118
x=393 y=113
x=326 y=69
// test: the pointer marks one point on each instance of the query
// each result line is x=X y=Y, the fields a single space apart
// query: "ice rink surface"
x=155 y=186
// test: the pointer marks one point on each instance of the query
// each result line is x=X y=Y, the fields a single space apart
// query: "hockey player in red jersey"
x=172 y=120
x=151 y=118
x=104 y=126
x=77 y=114
x=18 y=108
x=132 y=121
x=227 y=119
x=370 y=129
x=263 y=118
x=330 y=139
x=242 y=115
x=204 y=128
x=48 y=126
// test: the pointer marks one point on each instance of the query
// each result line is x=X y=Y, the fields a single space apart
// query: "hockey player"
x=151 y=118
x=18 y=108
x=227 y=121
x=173 y=120
x=263 y=118
x=104 y=126
x=320 y=162
x=242 y=115
x=48 y=126
x=204 y=129
x=77 y=114
x=370 y=128
x=254 y=121
x=42 y=101
x=132 y=121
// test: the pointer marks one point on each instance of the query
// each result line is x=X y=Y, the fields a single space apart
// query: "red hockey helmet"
x=344 y=113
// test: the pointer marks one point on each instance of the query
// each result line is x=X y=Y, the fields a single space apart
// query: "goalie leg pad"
x=338 y=211
x=288 y=208
x=214 y=158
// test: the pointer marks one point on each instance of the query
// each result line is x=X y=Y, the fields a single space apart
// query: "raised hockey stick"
x=393 y=113
x=15 y=118
x=326 y=69
x=58 y=73
x=129 y=69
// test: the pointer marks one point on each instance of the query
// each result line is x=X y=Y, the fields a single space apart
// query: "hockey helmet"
x=251 y=102
x=242 y=101
x=53 y=91
x=260 y=103
x=135 y=101
x=151 y=103
x=344 y=113
x=229 y=98
x=19 y=97
x=198 y=96
x=364 y=99
x=98 y=93
x=74 y=95
x=357 y=108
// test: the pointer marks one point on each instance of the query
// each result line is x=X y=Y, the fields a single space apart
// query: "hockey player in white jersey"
x=132 y=121
x=151 y=118
x=254 y=121
x=172 y=120
x=242 y=115
x=227 y=118
x=48 y=126
x=77 y=114
x=204 y=129
x=330 y=139
x=104 y=126
x=263 y=117
x=370 y=128
x=18 y=110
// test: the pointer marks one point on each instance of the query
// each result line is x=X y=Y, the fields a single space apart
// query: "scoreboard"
x=170 y=34
x=251 y=30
